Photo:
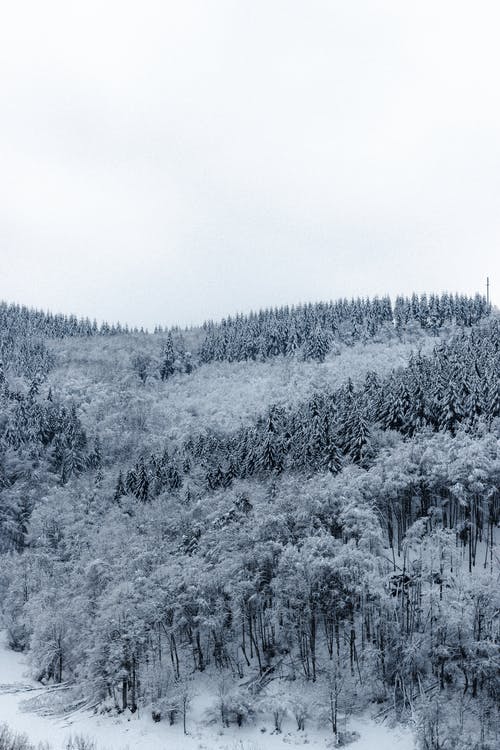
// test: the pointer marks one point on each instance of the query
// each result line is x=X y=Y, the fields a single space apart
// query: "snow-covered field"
x=17 y=691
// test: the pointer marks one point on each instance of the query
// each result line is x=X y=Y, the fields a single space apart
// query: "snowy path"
x=141 y=733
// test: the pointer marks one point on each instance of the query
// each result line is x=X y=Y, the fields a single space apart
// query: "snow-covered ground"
x=17 y=691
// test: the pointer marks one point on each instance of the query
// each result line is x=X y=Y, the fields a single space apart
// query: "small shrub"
x=240 y=709
x=79 y=742
x=276 y=702
x=232 y=707
x=301 y=710
x=12 y=741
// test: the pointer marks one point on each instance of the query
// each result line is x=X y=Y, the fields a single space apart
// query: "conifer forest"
x=299 y=507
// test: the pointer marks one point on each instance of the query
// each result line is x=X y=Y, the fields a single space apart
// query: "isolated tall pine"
x=142 y=484
x=168 y=359
x=270 y=456
x=120 y=490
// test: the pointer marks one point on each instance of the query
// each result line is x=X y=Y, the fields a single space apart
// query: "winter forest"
x=294 y=512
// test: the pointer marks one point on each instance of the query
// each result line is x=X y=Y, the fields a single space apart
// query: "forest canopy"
x=303 y=496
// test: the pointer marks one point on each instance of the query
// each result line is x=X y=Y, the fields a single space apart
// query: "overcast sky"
x=168 y=162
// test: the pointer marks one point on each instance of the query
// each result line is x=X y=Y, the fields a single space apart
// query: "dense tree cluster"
x=311 y=330
x=347 y=541
x=287 y=575
x=21 y=321
x=457 y=387
x=25 y=334
x=41 y=443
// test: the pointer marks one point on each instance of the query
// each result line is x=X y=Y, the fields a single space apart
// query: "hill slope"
x=300 y=506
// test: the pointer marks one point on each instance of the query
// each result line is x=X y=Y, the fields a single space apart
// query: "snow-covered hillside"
x=98 y=374
x=270 y=550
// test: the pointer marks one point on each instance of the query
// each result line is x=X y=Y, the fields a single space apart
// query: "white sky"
x=165 y=162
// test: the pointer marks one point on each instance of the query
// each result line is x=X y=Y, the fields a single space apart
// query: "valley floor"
x=20 y=697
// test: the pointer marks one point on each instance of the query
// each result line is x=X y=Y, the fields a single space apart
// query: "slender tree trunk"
x=124 y=693
x=60 y=667
x=312 y=644
x=133 y=686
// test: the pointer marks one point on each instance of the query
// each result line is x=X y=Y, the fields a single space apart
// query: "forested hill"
x=303 y=501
